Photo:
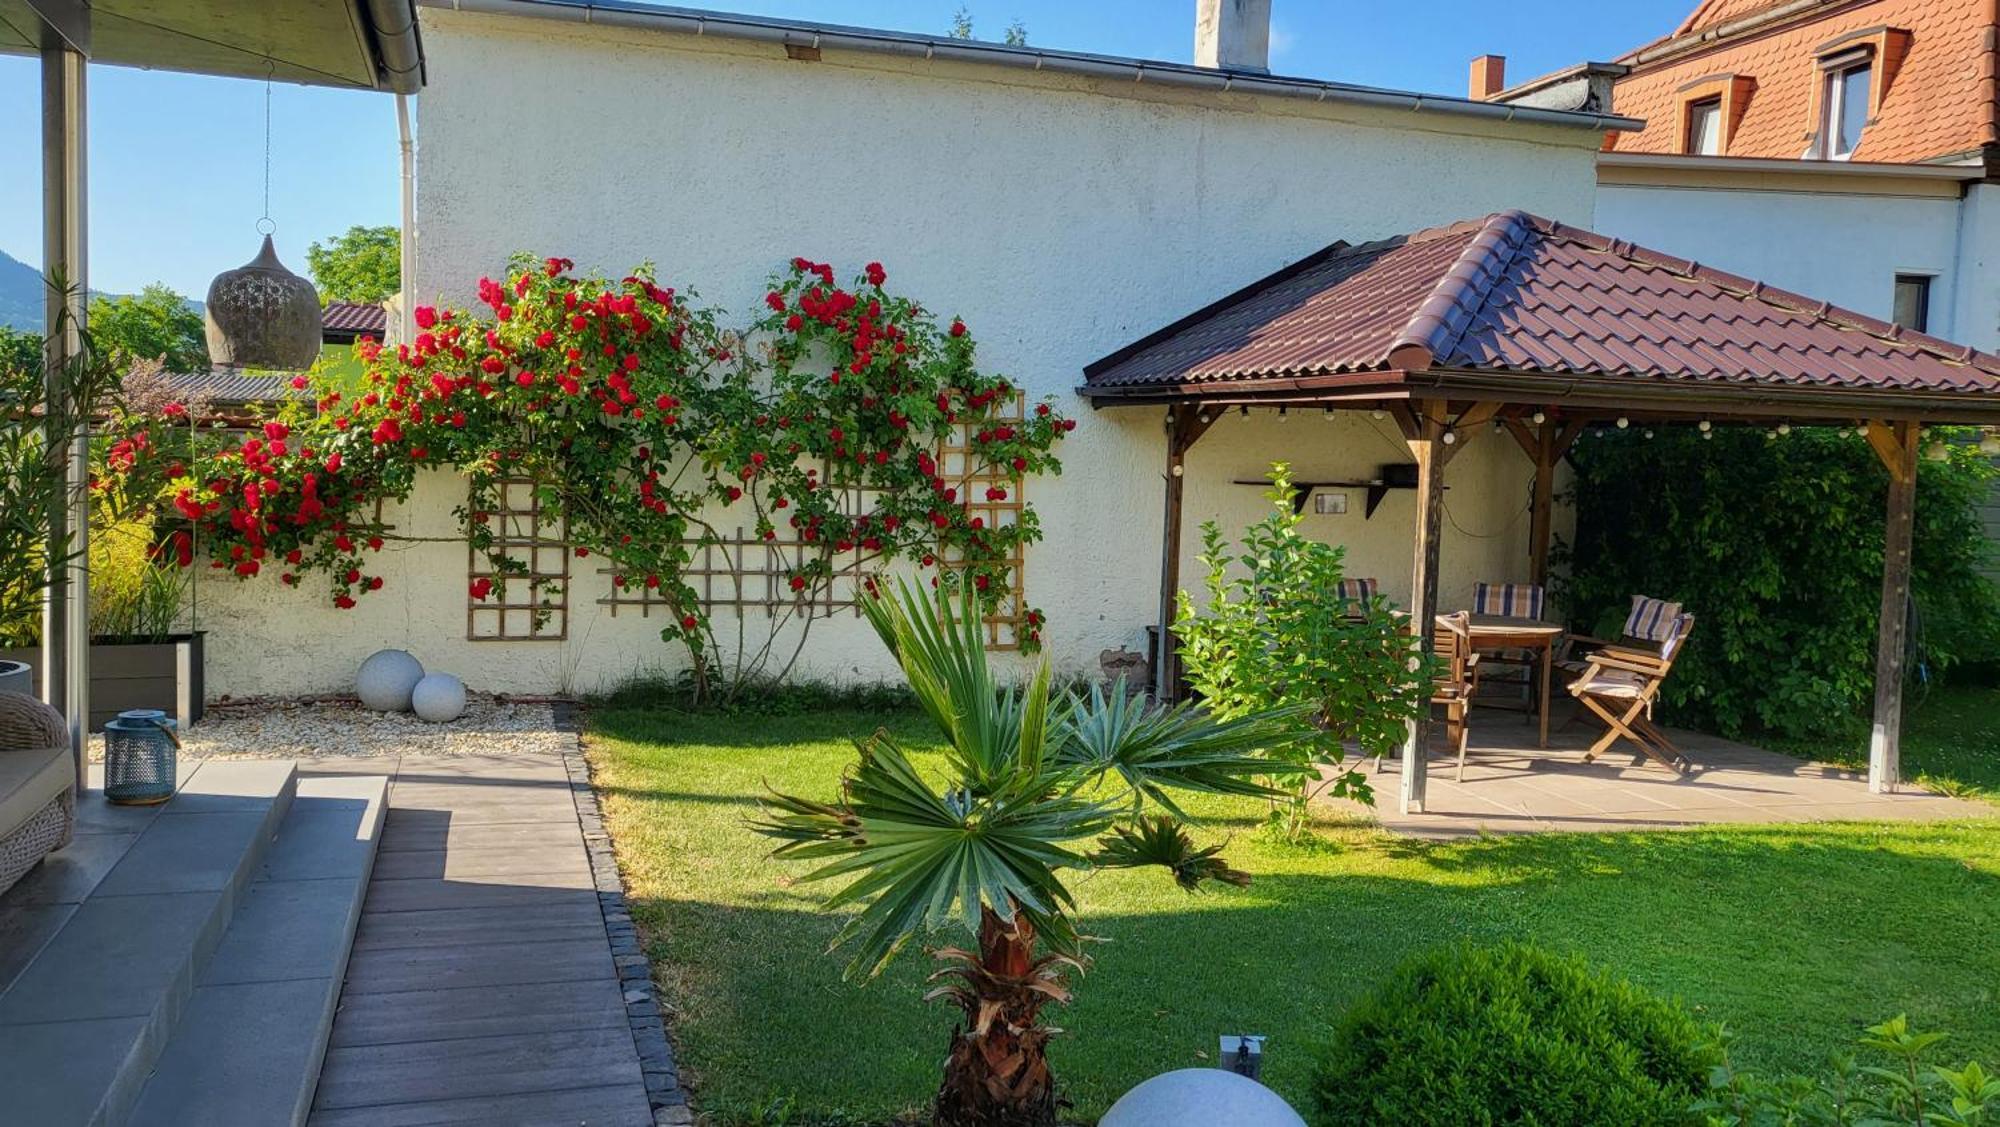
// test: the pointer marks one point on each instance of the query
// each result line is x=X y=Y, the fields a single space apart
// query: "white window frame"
x=1833 y=99
x=1712 y=109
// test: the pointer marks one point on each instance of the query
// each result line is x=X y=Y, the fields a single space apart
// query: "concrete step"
x=126 y=919
x=248 y=1051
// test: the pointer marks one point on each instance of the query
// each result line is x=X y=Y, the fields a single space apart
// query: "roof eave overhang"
x=1654 y=397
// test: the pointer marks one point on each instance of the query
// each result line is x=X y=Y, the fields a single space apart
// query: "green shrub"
x=1270 y=635
x=1775 y=546
x=1906 y=1092
x=1465 y=1035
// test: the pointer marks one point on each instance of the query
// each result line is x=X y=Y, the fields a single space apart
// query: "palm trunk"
x=997 y=1073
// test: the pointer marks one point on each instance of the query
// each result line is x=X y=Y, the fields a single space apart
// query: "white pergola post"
x=65 y=255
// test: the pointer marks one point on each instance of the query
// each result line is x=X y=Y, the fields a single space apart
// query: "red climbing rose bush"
x=644 y=421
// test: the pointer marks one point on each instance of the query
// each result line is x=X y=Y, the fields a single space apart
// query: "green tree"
x=1034 y=783
x=154 y=324
x=1016 y=34
x=363 y=265
x=20 y=350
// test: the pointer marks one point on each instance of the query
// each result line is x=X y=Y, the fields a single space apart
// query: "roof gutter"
x=688 y=21
x=1683 y=399
x=393 y=28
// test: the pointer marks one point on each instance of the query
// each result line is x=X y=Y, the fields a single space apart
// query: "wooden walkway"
x=482 y=987
x=1511 y=786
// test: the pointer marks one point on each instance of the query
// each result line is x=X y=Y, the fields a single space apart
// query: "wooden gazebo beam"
x=1186 y=423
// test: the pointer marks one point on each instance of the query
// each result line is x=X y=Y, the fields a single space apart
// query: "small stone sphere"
x=386 y=679
x=1200 y=1097
x=439 y=698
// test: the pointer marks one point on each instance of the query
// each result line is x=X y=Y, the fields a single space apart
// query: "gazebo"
x=1546 y=329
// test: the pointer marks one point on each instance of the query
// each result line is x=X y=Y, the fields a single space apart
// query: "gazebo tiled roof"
x=1541 y=304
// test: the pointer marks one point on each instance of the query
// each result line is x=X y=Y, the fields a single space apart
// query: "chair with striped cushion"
x=1620 y=684
x=1511 y=600
x=1508 y=600
x=1357 y=593
x=1646 y=629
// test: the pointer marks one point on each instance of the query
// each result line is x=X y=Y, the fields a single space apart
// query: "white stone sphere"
x=386 y=679
x=1200 y=1097
x=438 y=698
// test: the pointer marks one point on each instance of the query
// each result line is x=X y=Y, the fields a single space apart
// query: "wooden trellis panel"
x=535 y=607
x=958 y=465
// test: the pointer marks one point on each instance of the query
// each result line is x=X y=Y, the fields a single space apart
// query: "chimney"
x=1233 y=34
x=1489 y=77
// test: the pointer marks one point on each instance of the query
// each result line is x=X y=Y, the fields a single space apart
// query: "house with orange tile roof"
x=1846 y=148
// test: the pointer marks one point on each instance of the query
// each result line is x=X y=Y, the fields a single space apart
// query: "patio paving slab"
x=1512 y=786
x=245 y=1054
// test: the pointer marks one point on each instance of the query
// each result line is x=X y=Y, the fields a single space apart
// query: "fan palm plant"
x=1036 y=783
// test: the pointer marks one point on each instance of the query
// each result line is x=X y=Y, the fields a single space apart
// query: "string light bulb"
x=1784 y=428
x=1283 y=414
x=1539 y=418
x=1623 y=422
x=1705 y=426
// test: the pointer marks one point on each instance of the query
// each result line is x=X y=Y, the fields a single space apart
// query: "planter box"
x=16 y=678
x=163 y=675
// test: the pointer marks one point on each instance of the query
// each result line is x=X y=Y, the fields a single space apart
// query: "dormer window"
x=1844 y=103
x=1704 y=128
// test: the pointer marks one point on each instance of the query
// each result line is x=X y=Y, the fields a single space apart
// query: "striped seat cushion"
x=1355 y=590
x=1651 y=619
x=1509 y=600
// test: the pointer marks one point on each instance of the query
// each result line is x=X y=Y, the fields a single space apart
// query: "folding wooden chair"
x=1620 y=684
x=1645 y=629
x=1457 y=681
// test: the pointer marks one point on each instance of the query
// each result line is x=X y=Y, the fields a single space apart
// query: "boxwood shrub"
x=1466 y=1035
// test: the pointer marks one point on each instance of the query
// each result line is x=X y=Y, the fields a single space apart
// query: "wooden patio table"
x=1502 y=632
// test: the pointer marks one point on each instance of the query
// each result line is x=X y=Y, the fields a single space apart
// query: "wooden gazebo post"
x=1544 y=444
x=1896 y=443
x=1186 y=423
x=1423 y=424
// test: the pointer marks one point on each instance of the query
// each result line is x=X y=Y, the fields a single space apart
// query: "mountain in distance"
x=21 y=295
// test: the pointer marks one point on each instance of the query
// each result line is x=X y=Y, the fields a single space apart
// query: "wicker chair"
x=37 y=785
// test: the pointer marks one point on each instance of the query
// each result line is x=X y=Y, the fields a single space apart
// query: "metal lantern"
x=140 y=748
x=261 y=315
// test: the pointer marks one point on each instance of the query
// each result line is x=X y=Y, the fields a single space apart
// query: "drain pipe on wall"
x=406 y=325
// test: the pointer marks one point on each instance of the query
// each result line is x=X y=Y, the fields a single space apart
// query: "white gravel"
x=315 y=729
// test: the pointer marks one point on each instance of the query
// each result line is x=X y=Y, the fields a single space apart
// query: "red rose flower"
x=426 y=316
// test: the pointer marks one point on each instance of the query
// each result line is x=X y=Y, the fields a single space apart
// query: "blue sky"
x=176 y=162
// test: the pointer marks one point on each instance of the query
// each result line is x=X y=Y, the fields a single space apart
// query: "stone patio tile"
x=58 y=1073
x=117 y=956
x=67 y=875
x=230 y=786
x=241 y=1055
x=23 y=930
x=284 y=930
x=188 y=853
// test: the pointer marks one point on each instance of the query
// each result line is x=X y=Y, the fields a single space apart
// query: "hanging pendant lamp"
x=261 y=315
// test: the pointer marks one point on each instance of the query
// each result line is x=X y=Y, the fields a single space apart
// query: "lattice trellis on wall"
x=958 y=464
x=742 y=572
x=535 y=607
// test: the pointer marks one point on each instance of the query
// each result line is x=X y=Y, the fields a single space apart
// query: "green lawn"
x=1794 y=935
x=1951 y=740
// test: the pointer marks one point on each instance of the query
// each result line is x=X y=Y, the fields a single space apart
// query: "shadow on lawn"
x=1795 y=935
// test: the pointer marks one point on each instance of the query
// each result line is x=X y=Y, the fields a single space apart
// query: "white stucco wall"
x=1843 y=248
x=1061 y=217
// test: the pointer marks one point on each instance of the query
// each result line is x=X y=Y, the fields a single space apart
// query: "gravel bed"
x=317 y=729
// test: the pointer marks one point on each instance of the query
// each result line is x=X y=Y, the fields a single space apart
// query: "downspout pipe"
x=399 y=54
x=407 y=260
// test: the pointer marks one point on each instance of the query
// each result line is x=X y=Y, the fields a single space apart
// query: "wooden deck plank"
x=481 y=988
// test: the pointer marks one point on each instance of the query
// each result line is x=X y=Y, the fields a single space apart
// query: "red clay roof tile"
x=1515 y=292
